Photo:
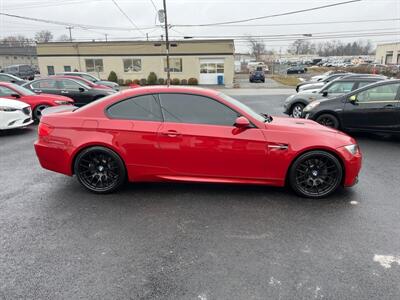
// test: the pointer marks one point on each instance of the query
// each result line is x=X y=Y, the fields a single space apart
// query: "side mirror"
x=12 y=81
x=353 y=99
x=81 y=89
x=325 y=93
x=242 y=122
x=17 y=96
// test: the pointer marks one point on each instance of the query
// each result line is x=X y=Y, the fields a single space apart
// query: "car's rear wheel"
x=315 y=174
x=99 y=169
x=37 y=112
x=297 y=110
x=328 y=120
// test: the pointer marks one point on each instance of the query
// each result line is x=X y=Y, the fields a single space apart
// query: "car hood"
x=298 y=125
x=107 y=83
x=52 y=97
x=314 y=85
x=12 y=103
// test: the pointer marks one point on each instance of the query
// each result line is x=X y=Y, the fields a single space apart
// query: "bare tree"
x=43 y=36
x=302 y=47
x=16 y=41
x=257 y=48
x=63 y=38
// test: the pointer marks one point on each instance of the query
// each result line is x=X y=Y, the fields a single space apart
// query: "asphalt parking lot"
x=197 y=241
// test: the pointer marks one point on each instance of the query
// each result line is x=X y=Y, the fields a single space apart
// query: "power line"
x=154 y=5
x=129 y=19
x=270 y=16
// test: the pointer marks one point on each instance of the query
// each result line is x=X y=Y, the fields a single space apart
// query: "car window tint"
x=364 y=83
x=5 y=78
x=185 y=108
x=340 y=87
x=44 y=84
x=68 y=85
x=145 y=108
x=386 y=92
x=4 y=91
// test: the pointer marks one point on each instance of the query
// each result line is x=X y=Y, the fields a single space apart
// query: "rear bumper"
x=53 y=158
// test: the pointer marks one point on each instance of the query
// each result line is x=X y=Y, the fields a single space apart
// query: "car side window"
x=382 y=93
x=144 y=108
x=44 y=84
x=364 y=83
x=5 y=78
x=4 y=91
x=340 y=87
x=195 y=109
x=68 y=85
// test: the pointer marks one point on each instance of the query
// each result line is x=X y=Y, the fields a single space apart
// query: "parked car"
x=318 y=84
x=189 y=134
x=373 y=108
x=79 y=92
x=84 y=81
x=93 y=79
x=11 y=78
x=321 y=76
x=14 y=114
x=296 y=70
x=37 y=102
x=22 y=71
x=257 y=76
x=295 y=104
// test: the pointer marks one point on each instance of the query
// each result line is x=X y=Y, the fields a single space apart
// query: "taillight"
x=44 y=129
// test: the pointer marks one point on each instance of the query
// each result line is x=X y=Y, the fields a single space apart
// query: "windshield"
x=243 y=107
x=90 y=77
x=23 y=91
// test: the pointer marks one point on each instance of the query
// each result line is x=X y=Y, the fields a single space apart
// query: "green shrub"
x=161 y=81
x=193 y=81
x=152 y=78
x=120 y=81
x=143 y=81
x=128 y=82
x=184 y=82
x=175 y=81
x=113 y=77
x=136 y=81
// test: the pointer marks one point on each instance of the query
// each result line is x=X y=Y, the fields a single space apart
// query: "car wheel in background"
x=297 y=110
x=37 y=112
x=328 y=120
x=315 y=174
x=100 y=170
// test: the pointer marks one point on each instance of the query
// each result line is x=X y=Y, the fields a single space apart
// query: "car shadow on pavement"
x=17 y=131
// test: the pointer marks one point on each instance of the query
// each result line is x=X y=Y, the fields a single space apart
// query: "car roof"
x=171 y=89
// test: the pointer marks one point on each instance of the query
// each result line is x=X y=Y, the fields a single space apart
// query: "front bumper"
x=16 y=119
x=352 y=166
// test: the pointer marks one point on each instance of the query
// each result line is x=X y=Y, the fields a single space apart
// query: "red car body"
x=159 y=151
x=84 y=81
x=34 y=100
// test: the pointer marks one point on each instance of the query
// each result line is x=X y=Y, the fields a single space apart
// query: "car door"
x=72 y=89
x=198 y=138
x=47 y=86
x=135 y=123
x=373 y=109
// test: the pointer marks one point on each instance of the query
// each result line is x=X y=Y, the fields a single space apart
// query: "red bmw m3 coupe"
x=164 y=133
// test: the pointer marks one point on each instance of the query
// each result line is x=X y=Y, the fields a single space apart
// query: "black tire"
x=315 y=174
x=328 y=120
x=297 y=110
x=100 y=170
x=37 y=112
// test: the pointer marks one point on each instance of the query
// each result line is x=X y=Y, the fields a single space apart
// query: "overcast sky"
x=105 y=13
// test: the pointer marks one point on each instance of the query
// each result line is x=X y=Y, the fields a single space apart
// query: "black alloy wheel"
x=328 y=120
x=37 y=113
x=315 y=174
x=100 y=170
x=297 y=110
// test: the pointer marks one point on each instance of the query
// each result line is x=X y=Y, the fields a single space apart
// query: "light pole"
x=166 y=42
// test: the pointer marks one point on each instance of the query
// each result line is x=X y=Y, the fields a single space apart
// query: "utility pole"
x=166 y=42
x=106 y=35
x=70 y=33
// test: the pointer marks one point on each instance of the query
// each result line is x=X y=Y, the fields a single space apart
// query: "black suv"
x=22 y=71
x=373 y=108
x=81 y=93
x=11 y=78
x=295 y=104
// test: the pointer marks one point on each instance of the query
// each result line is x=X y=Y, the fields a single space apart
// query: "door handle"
x=170 y=133
x=64 y=92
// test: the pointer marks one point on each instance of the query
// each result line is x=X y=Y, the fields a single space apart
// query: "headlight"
x=311 y=106
x=62 y=102
x=7 y=108
x=353 y=149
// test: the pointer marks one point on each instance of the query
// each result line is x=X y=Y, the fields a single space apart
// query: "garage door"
x=210 y=68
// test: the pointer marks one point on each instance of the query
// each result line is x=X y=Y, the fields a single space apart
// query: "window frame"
x=172 y=58
x=131 y=59
x=156 y=97
x=54 y=71
x=366 y=88
x=94 y=65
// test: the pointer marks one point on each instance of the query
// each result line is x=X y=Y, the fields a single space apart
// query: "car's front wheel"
x=99 y=169
x=328 y=120
x=297 y=110
x=315 y=174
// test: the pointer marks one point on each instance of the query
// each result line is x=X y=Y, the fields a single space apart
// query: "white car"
x=14 y=114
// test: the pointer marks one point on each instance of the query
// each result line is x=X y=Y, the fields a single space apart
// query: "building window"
x=7 y=57
x=94 y=65
x=67 y=68
x=50 y=70
x=175 y=65
x=210 y=68
x=15 y=57
x=132 y=64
